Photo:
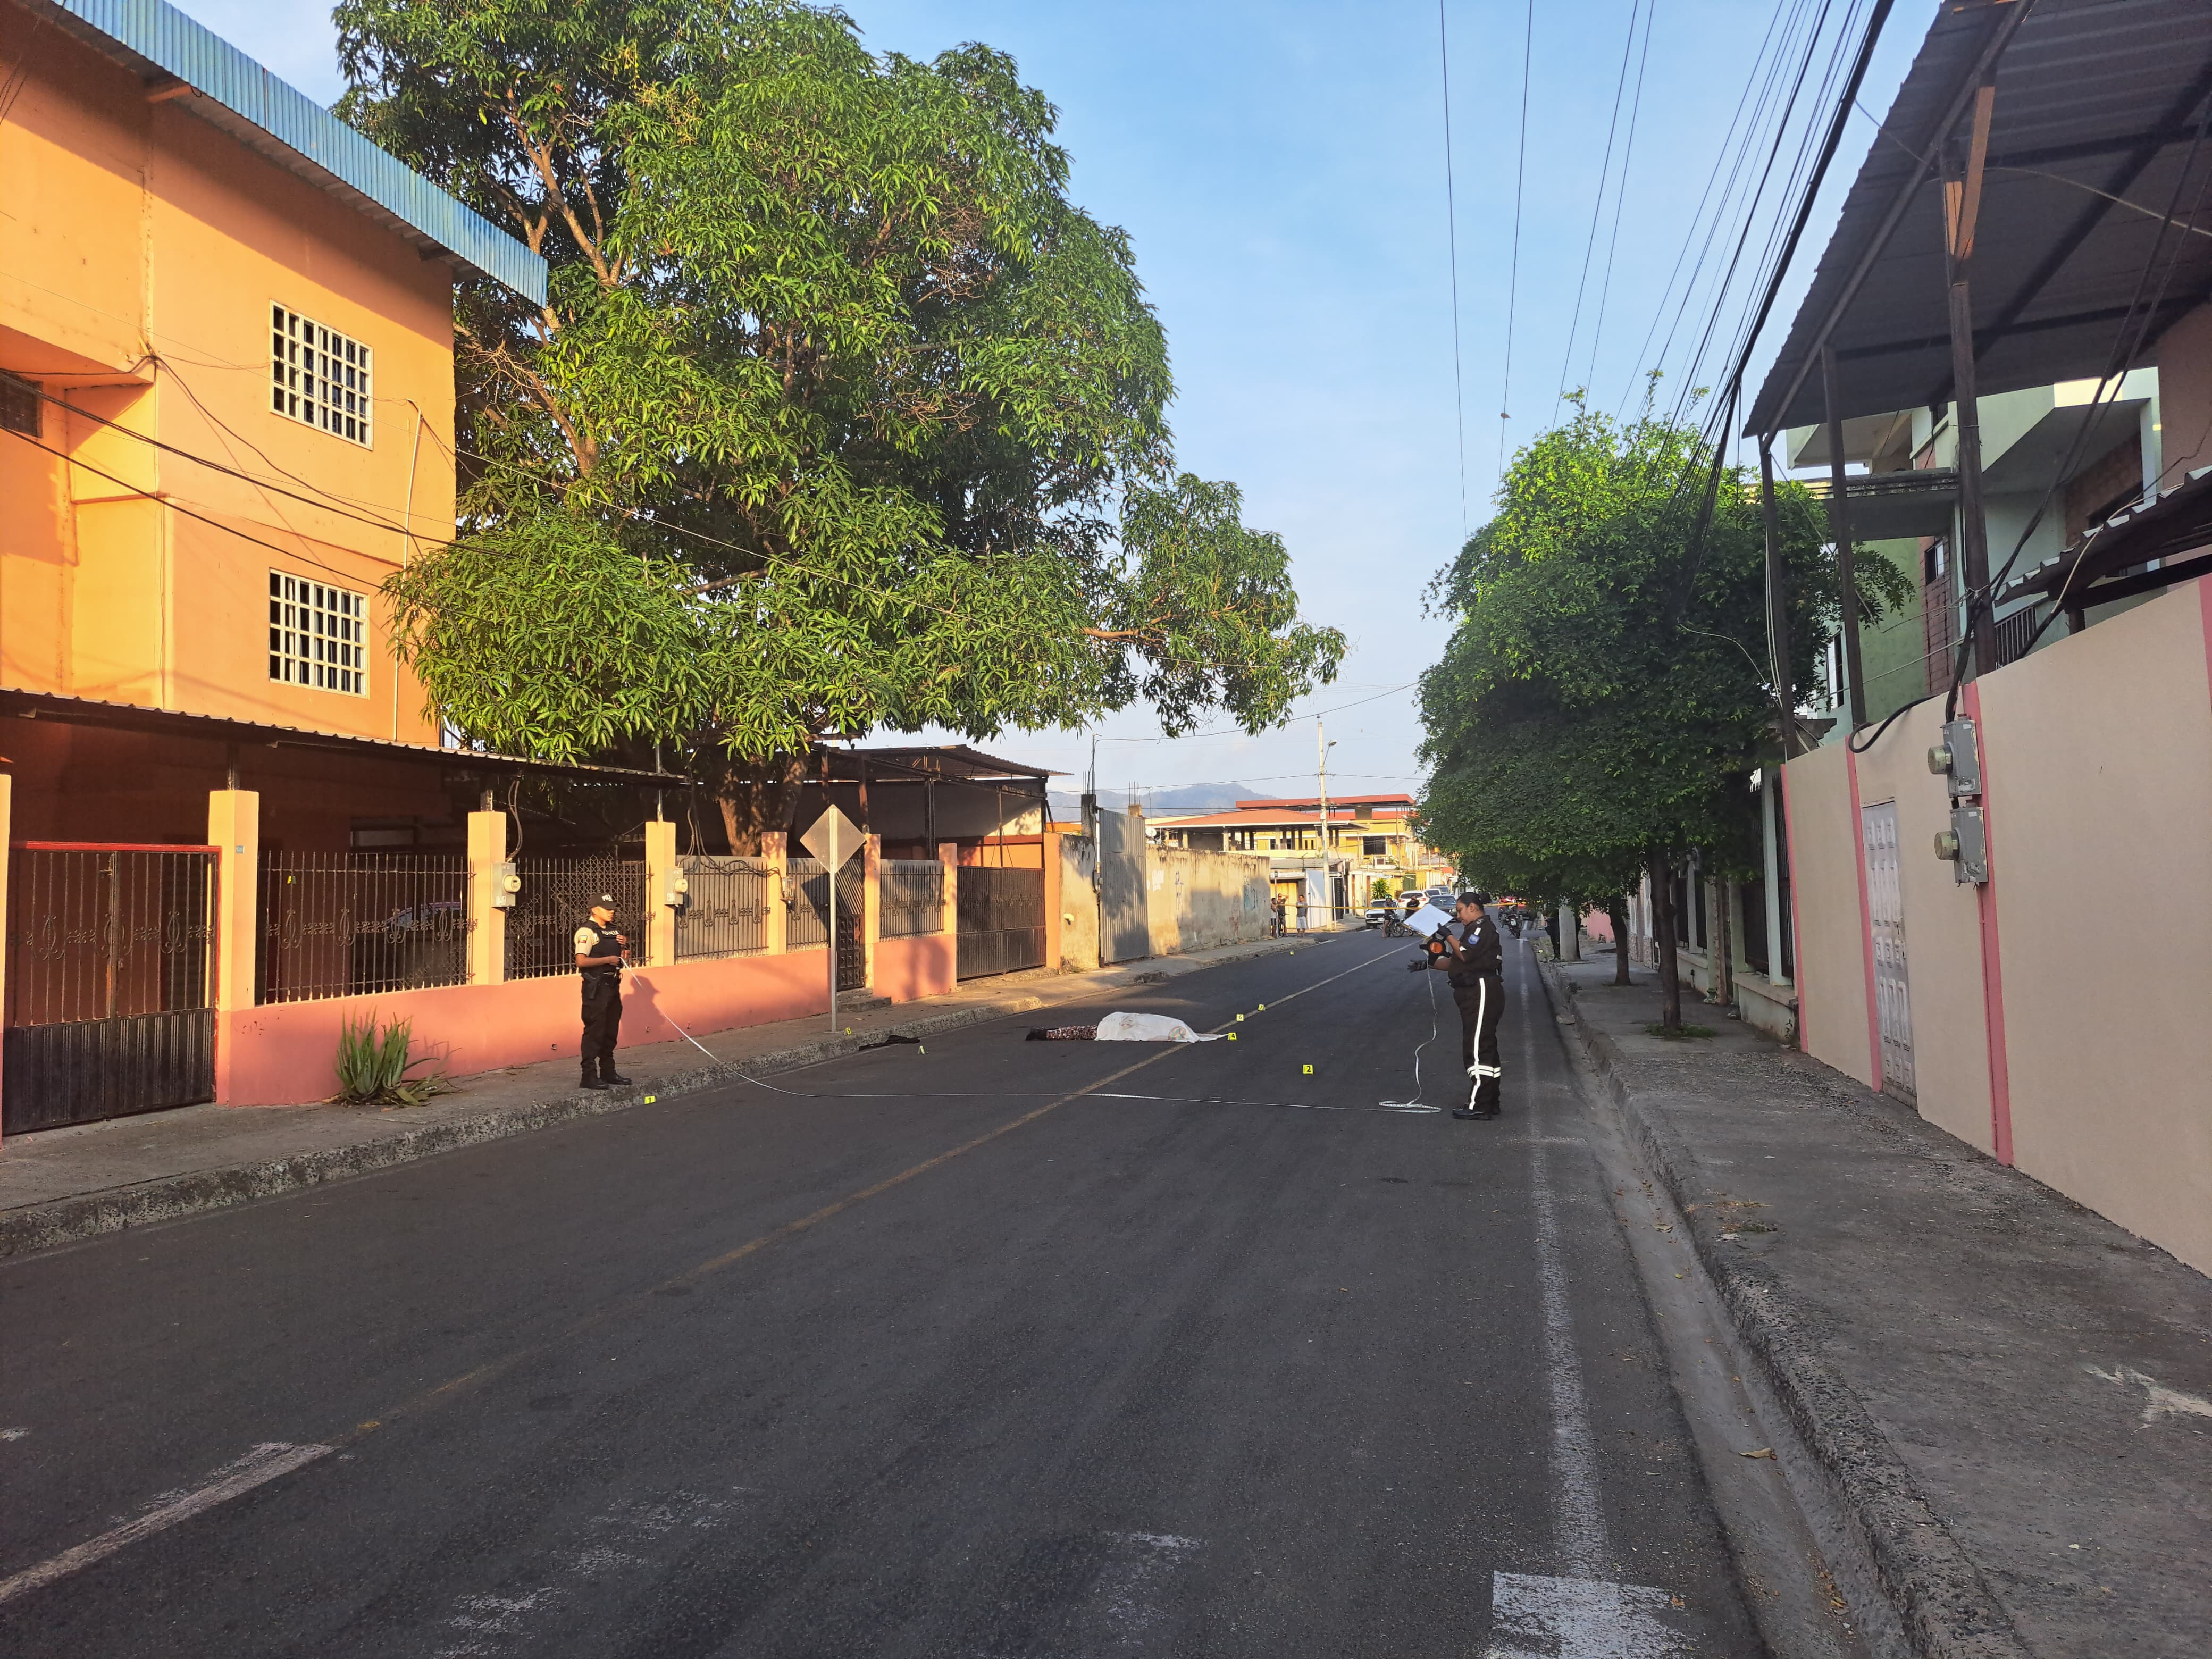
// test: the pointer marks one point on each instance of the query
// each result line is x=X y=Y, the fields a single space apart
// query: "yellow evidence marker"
x=1309 y=1071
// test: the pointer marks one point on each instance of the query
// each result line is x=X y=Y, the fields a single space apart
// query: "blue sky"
x=1280 y=167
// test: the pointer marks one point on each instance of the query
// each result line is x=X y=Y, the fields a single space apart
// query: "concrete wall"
x=283 y=1054
x=1078 y=902
x=2098 y=758
x=917 y=966
x=1195 y=901
x=2036 y=1035
x=1819 y=793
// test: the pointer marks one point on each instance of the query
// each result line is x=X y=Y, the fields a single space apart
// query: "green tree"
x=839 y=414
x=1608 y=685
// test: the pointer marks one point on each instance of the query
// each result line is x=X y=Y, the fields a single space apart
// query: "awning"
x=2088 y=574
x=2093 y=125
x=133 y=717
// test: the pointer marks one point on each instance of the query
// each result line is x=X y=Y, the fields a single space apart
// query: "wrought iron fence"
x=910 y=897
x=725 y=912
x=557 y=895
x=352 y=924
x=107 y=932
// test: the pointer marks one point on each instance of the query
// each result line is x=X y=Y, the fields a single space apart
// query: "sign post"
x=833 y=839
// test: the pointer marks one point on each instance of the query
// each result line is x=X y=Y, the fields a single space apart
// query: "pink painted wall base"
x=284 y=1055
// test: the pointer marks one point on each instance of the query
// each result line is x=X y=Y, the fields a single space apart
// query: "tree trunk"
x=1663 y=935
x=759 y=802
x=1616 y=912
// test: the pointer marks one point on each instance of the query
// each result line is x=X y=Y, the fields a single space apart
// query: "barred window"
x=319 y=376
x=318 y=635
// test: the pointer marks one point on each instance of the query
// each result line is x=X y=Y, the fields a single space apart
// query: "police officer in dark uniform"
x=600 y=953
x=1471 y=956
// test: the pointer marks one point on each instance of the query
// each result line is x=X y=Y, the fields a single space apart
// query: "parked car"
x=1379 y=913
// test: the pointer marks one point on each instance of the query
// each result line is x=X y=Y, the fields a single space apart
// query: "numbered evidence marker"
x=1309 y=1071
x=1232 y=1036
x=1240 y=1019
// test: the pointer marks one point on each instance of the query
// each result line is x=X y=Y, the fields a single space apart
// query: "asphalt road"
x=992 y=1348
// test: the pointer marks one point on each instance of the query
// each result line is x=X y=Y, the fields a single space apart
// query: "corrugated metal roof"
x=2095 y=99
x=280 y=121
x=173 y=722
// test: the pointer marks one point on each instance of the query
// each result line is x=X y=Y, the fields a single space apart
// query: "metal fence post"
x=660 y=869
x=775 y=855
x=487 y=919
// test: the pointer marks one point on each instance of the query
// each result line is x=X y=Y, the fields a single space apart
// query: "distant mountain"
x=1067 y=804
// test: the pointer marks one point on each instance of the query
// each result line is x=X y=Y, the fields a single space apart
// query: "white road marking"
x=1538 y=1618
x=1577 y=1518
x=13 y=1434
x=264 y=1463
x=2159 y=1400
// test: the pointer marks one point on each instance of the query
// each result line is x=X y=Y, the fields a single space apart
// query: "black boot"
x=592 y=1082
x=611 y=1079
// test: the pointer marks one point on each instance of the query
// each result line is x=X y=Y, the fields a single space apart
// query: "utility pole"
x=1321 y=747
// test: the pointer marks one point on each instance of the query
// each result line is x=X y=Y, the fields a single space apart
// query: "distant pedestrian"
x=1473 y=957
x=1275 y=915
x=600 y=954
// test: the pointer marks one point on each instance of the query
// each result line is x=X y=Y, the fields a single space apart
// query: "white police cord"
x=630 y=967
x=1415 y=1104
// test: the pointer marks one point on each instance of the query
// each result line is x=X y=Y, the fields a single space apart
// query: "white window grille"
x=318 y=635
x=319 y=376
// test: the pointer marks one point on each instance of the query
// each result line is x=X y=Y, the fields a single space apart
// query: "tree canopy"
x=1609 y=684
x=840 y=413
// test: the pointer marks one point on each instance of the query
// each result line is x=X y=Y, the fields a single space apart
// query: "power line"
x=1513 y=280
x=1620 y=195
x=1239 y=731
x=1597 y=206
x=1451 y=231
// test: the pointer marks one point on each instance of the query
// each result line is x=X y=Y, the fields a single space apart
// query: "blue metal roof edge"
x=211 y=66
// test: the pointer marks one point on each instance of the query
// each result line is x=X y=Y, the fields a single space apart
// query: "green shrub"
x=372 y=1067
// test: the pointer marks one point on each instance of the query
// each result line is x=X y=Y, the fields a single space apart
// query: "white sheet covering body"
x=1150 y=1028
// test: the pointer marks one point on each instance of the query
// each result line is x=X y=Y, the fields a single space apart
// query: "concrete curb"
x=87 y=1215
x=1938 y=1595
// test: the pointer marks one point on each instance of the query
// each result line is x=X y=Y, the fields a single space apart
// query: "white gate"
x=1885 y=918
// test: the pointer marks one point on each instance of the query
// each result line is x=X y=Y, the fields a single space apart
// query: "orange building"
x=226 y=416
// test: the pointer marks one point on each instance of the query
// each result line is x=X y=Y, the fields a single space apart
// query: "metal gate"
x=1001 y=915
x=110 y=972
x=807 y=921
x=1885 y=918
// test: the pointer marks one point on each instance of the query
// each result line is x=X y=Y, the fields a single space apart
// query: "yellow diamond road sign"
x=833 y=839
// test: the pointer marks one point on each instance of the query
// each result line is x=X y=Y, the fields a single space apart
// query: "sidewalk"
x=64 y=1184
x=2006 y=1395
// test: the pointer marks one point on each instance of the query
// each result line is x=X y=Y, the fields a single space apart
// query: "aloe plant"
x=372 y=1067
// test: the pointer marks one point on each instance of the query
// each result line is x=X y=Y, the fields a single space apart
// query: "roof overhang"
x=178 y=58
x=2093 y=128
x=954 y=763
x=2092 y=572
x=169 y=722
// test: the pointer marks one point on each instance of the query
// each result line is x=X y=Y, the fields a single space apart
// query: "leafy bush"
x=372 y=1067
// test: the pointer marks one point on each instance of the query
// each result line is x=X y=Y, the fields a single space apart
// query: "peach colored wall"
x=1824 y=853
x=2100 y=806
x=281 y=1054
x=920 y=965
x=143 y=249
x=1942 y=930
